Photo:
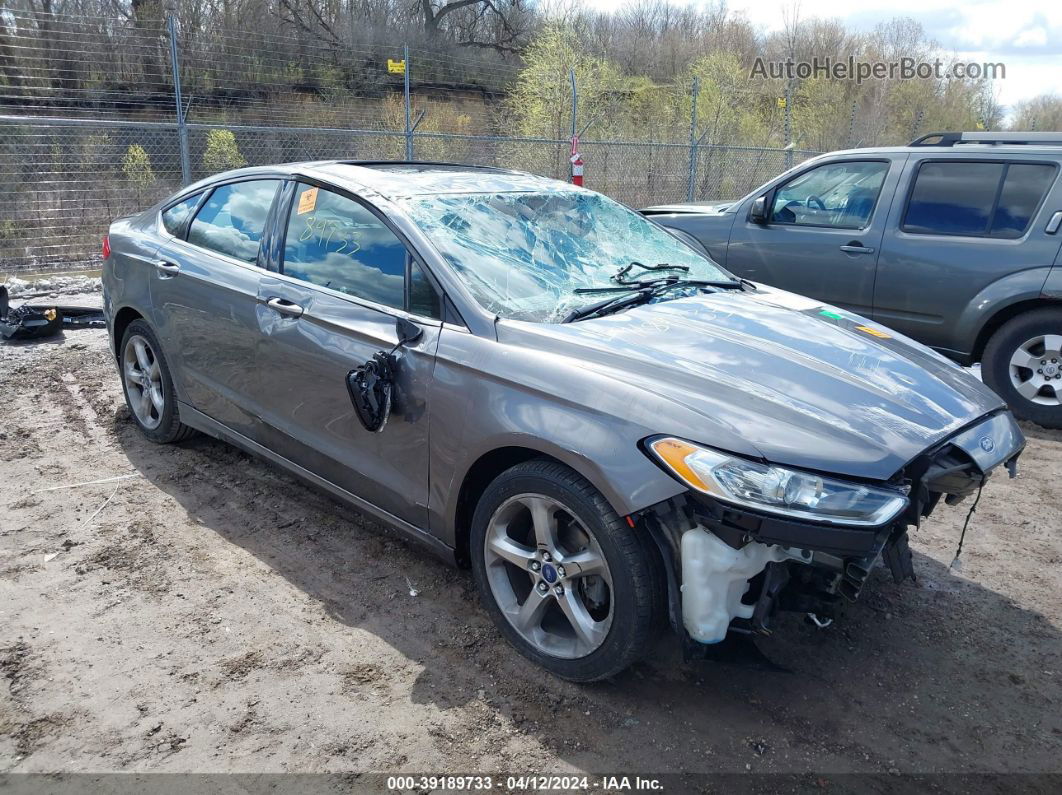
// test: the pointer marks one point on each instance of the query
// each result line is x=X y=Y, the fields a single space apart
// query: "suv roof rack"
x=1020 y=138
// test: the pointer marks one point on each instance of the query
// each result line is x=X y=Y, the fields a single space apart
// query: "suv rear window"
x=976 y=199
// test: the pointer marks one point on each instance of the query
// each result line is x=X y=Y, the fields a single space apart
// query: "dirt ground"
x=202 y=611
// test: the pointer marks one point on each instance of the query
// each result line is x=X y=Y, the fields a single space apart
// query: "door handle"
x=167 y=270
x=1054 y=223
x=284 y=307
x=856 y=248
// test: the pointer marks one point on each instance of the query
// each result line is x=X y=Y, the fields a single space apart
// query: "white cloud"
x=1025 y=35
x=1031 y=37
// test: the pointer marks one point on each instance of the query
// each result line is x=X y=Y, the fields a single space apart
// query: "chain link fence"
x=100 y=117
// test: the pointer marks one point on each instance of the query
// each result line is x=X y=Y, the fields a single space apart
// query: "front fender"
x=1052 y=289
x=1027 y=285
x=486 y=396
x=621 y=472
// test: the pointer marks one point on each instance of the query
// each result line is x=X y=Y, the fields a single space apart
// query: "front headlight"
x=775 y=489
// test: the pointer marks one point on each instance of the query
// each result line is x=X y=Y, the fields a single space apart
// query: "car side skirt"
x=421 y=537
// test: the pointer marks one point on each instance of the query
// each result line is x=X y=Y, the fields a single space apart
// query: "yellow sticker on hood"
x=874 y=332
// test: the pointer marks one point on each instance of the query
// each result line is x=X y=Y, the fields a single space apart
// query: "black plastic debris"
x=370 y=387
x=372 y=384
x=37 y=321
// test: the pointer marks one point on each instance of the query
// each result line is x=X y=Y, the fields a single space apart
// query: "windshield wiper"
x=610 y=305
x=617 y=277
x=667 y=281
x=637 y=295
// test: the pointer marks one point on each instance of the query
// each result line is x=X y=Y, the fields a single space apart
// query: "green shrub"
x=222 y=153
x=136 y=165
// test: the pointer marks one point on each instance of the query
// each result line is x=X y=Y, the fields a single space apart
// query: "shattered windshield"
x=524 y=254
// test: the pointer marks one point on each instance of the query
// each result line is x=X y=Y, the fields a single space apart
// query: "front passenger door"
x=822 y=232
x=345 y=278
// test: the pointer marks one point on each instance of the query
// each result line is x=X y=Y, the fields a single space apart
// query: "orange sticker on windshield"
x=307 y=201
x=873 y=332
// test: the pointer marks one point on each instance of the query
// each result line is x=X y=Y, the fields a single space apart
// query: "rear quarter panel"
x=127 y=272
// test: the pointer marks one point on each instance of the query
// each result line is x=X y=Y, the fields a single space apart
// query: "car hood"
x=774 y=374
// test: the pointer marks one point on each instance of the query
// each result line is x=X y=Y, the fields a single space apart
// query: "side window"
x=233 y=219
x=1024 y=187
x=976 y=199
x=175 y=218
x=838 y=195
x=952 y=198
x=423 y=299
x=335 y=242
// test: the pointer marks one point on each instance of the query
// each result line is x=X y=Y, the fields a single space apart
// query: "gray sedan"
x=615 y=433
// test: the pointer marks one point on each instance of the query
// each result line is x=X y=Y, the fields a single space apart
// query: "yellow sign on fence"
x=396 y=67
x=781 y=102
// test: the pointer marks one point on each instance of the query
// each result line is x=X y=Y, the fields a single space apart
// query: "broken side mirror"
x=758 y=211
x=407 y=331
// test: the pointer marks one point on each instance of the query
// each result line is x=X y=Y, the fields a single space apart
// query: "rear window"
x=233 y=219
x=976 y=199
x=176 y=217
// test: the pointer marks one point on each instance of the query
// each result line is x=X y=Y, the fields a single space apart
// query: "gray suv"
x=615 y=433
x=953 y=240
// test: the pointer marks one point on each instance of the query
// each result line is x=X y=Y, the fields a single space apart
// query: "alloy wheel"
x=1036 y=370
x=548 y=576
x=143 y=381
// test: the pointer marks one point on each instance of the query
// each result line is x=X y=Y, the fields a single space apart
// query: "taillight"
x=106 y=246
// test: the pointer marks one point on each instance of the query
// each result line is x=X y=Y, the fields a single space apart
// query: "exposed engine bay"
x=732 y=570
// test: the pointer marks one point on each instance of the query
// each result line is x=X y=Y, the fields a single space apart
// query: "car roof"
x=977 y=143
x=974 y=150
x=396 y=178
x=391 y=179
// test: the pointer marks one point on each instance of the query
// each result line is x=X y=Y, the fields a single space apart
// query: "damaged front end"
x=732 y=567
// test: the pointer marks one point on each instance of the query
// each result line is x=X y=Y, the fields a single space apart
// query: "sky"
x=1026 y=35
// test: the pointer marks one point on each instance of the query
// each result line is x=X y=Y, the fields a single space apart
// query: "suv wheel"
x=148 y=387
x=571 y=585
x=1023 y=364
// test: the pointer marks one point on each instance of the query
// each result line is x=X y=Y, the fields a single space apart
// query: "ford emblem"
x=987 y=444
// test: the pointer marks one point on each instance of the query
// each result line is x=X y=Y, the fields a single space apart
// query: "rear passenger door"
x=959 y=225
x=205 y=291
x=343 y=280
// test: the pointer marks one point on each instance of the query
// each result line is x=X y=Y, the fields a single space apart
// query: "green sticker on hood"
x=830 y=314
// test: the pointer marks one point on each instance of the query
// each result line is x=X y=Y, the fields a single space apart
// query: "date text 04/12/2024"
x=518 y=783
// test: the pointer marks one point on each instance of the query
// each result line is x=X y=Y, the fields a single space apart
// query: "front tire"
x=568 y=582
x=1023 y=364
x=148 y=386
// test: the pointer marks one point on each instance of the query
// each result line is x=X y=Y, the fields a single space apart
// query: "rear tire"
x=1023 y=364
x=148 y=386
x=584 y=597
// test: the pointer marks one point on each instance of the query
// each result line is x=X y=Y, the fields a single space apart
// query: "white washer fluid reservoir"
x=714 y=578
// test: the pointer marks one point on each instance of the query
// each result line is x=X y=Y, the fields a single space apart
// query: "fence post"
x=405 y=89
x=575 y=129
x=182 y=128
x=788 y=125
x=916 y=125
x=693 y=140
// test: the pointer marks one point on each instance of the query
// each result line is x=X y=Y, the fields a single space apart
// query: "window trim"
x=987 y=234
x=284 y=214
x=773 y=192
x=195 y=211
x=205 y=193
